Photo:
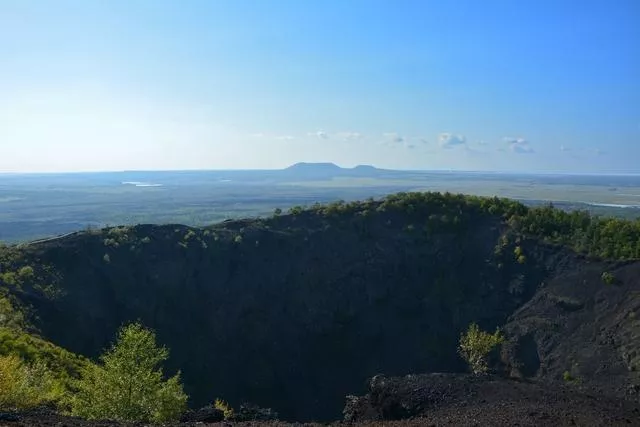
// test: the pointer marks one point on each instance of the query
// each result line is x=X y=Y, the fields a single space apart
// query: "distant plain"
x=34 y=206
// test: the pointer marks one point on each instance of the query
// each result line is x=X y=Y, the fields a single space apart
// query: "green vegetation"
x=111 y=243
x=63 y=364
x=567 y=377
x=25 y=386
x=226 y=409
x=32 y=371
x=475 y=346
x=129 y=384
x=10 y=317
x=608 y=278
x=296 y=210
x=610 y=238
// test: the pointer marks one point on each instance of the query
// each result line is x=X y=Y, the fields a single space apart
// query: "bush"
x=9 y=316
x=608 y=278
x=129 y=385
x=24 y=386
x=296 y=210
x=475 y=346
x=567 y=377
x=226 y=409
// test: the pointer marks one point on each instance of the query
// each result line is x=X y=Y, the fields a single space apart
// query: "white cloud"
x=349 y=136
x=257 y=135
x=563 y=148
x=449 y=140
x=319 y=134
x=285 y=137
x=518 y=145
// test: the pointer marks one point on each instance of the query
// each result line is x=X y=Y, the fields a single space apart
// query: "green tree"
x=475 y=346
x=129 y=385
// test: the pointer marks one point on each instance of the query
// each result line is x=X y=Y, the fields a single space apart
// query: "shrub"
x=24 y=386
x=9 y=316
x=226 y=409
x=296 y=210
x=63 y=365
x=129 y=385
x=111 y=242
x=567 y=377
x=608 y=278
x=26 y=273
x=475 y=346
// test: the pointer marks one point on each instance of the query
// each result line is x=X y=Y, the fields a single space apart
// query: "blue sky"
x=532 y=85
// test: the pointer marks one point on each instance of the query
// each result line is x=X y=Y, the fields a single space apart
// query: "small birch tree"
x=129 y=385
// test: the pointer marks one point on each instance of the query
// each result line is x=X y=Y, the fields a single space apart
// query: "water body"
x=141 y=184
x=612 y=205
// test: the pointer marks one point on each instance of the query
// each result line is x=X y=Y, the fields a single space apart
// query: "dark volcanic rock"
x=207 y=414
x=579 y=329
x=292 y=316
x=296 y=311
x=439 y=399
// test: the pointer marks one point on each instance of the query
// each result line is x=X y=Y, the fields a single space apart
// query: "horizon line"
x=443 y=170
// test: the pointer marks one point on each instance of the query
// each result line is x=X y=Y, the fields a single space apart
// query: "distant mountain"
x=365 y=170
x=327 y=170
x=314 y=167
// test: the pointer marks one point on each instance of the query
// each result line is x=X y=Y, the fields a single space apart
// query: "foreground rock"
x=458 y=399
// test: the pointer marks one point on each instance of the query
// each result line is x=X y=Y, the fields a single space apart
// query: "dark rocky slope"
x=581 y=331
x=454 y=399
x=296 y=312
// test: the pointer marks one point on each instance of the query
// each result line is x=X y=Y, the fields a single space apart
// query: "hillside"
x=299 y=310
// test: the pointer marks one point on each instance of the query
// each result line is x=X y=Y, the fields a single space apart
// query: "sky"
x=505 y=85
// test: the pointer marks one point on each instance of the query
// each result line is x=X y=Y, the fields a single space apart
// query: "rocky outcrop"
x=580 y=330
x=464 y=399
